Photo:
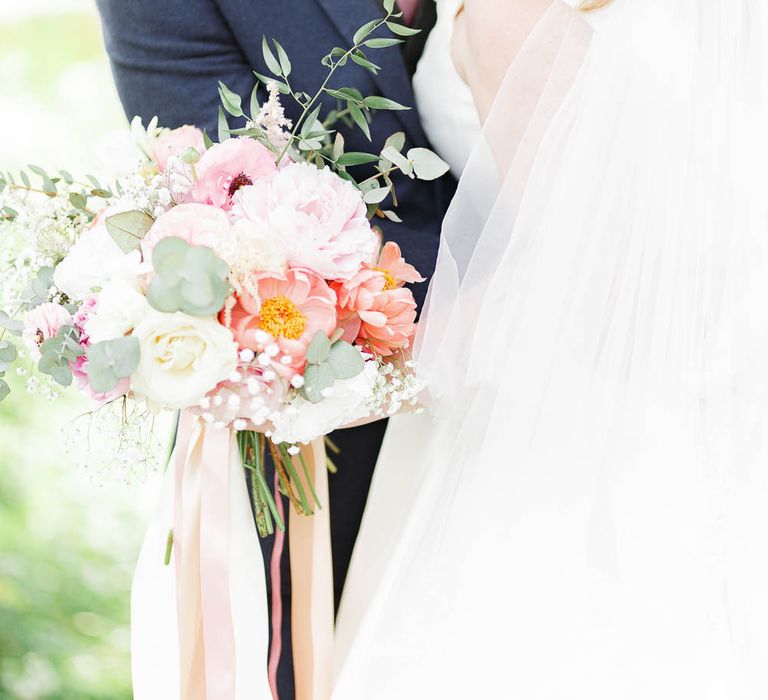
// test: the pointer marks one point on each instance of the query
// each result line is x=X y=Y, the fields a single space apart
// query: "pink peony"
x=174 y=143
x=289 y=311
x=228 y=166
x=42 y=323
x=390 y=323
x=197 y=224
x=393 y=265
x=319 y=219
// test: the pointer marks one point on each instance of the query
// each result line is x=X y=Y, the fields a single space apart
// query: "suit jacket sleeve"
x=167 y=56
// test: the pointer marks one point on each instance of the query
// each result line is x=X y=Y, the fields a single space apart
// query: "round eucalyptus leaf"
x=316 y=378
x=345 y=361
x=319 y=348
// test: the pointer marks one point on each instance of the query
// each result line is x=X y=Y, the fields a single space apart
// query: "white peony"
x=182 y=358
x=94 y=260
x=346 y=401
x=120 y=308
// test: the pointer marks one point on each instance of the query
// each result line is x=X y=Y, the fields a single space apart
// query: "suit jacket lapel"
x=393 y=80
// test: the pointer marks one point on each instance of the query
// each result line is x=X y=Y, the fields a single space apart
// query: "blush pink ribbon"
x=200 y=626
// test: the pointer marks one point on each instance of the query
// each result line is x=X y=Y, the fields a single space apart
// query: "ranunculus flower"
x=319 y=219
x=289 y=311
x=42 y=323
x=197 y=224
x=93 y=260
x=182 y=358
x=228 y=166
x=120 y=307
x=173 y=143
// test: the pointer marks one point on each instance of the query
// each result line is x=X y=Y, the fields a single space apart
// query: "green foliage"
x=111 y=361
x=187 y=278
x=56 y=354
x=128 y=228
x=328 y=361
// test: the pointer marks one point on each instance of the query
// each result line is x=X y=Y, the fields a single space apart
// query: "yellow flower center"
x=281 y=319
x=389 y=281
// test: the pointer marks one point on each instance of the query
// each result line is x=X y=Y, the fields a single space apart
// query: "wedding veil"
x=585 y=512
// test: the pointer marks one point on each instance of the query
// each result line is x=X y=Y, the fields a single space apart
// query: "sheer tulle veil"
x=584 y=512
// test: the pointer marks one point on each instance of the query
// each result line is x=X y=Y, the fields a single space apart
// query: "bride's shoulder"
x=487 y=36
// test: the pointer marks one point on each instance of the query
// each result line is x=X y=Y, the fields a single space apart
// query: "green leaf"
x=346 y=94
x=382 y=103
x=65 y=175
x=309 y=122
x=5 y=390
x=361 y=60
x=426 y=164
x=356 y=158
x=77 y=200
x=231 y=102
x=187 y=278
x=375 y=196
x=359 y=118
x=128 y=228
x=282 y=57
x=111 y=361
x=223 y=126
x=25 y=179
x=338 y=147
x=281 y=86
x=394 y=218
x=316 y=378
x=48 y=186
x=401 y=29
x=319 y=348
x=382 y=43
x=269 y=58
x=207 y=140
x=364 y=31
x=396 y=158
x=389 y=6
x=7 y=352
x=345 y=361
x=12 y=325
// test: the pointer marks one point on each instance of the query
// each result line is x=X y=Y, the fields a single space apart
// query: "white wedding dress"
x=584 y=511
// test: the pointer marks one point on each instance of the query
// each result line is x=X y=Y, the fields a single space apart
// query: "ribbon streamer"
x=200 y=625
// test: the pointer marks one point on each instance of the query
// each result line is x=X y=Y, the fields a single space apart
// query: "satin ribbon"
x=200 y=626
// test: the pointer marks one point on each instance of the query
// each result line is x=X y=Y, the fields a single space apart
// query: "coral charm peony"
x=284 y=317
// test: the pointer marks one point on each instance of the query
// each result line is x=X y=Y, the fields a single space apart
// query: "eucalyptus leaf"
x=282 y=57
x=77 y=200
x=230 y=101
x=426 y=164
x=66 y=176
x=255 y=107
x=375 y=196
x=8 y=352
x=363 y=62
x=111 y=361
x=345 y=361
x=5 y=390
x=319 y=349
x=389 y=6
x=316 y=379
x=128 y=228
x=356 y=158
x=364 y=31
x=222 y=126
x=396 y=158
x=338 y=147
x=12 y=325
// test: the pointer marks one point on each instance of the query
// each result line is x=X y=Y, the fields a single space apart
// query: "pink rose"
x=228 y=166
x=174 y=143
x=288 y=312
x=42 y=323
x=319 y=219
x=197 y=224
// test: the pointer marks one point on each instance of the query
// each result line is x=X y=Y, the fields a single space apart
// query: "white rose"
x=182 y=358
x=346 y=402
x=120 y=308
x=94 y=260
x=246 y=249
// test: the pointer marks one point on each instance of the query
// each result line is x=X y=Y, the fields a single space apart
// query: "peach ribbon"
x=200 y=625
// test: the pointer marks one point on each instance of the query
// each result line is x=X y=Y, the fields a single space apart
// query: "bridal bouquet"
x=242 y=280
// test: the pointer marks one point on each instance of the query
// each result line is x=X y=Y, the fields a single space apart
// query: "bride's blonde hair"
x=592 y=5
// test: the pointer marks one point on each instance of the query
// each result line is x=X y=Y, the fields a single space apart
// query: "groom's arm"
x=167 y=56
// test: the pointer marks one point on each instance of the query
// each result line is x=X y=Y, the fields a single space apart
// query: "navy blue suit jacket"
x=167 y=56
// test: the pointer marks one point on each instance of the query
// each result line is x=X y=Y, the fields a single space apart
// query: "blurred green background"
x=68 y=540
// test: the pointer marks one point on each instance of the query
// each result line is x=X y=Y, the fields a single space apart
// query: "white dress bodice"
x=444 y=101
